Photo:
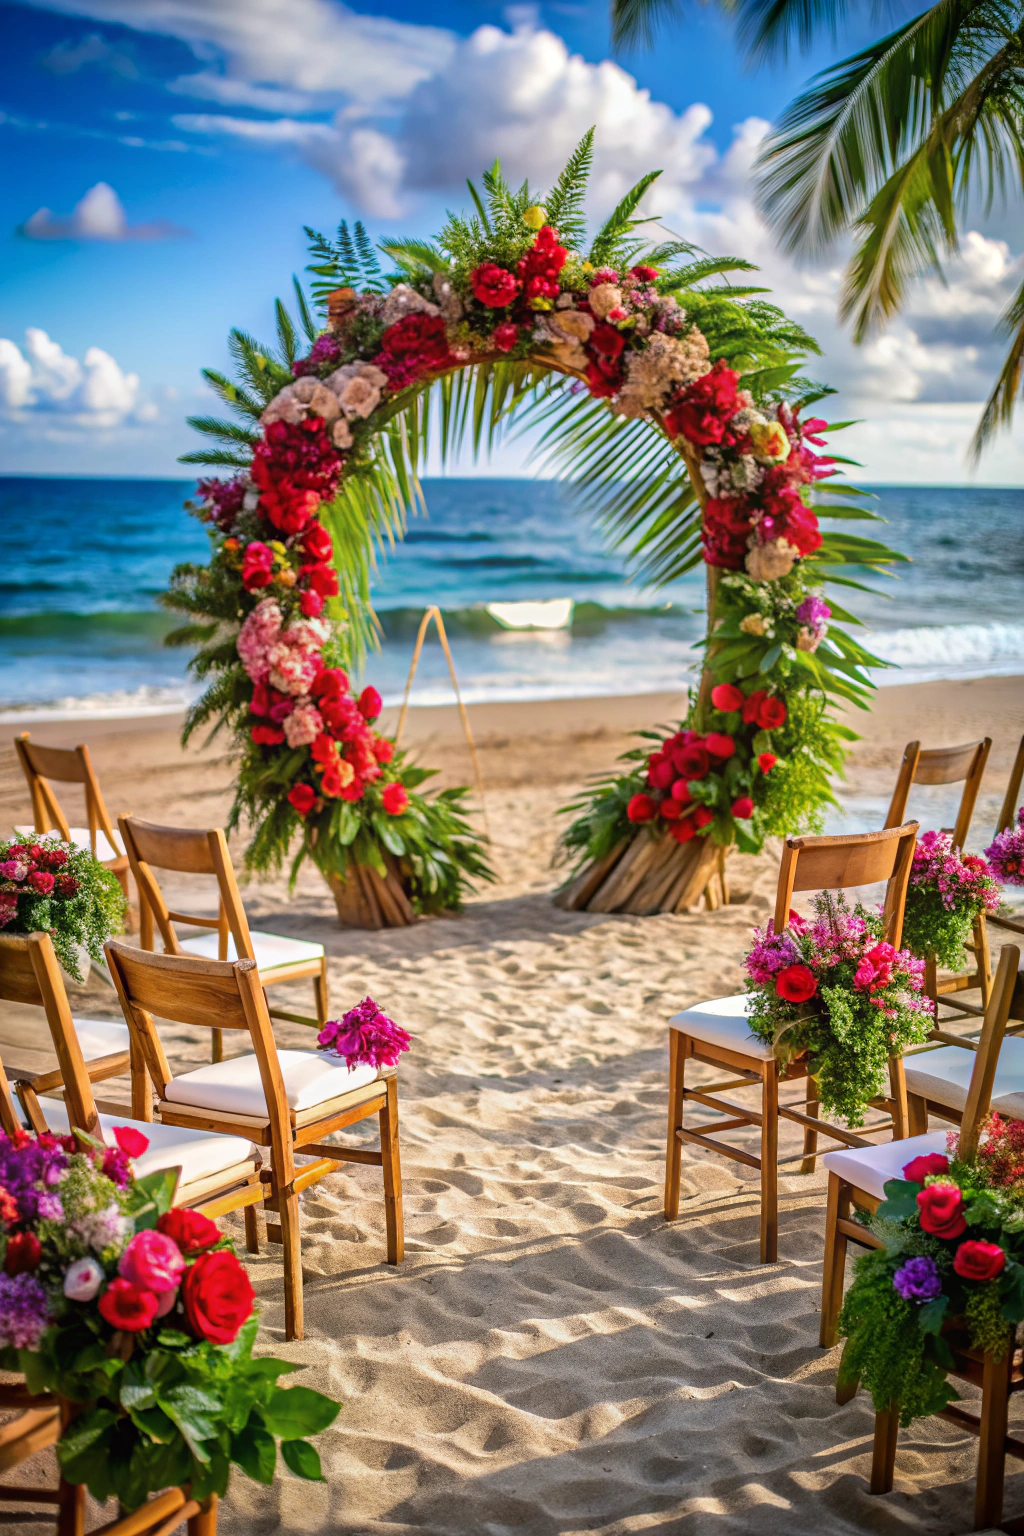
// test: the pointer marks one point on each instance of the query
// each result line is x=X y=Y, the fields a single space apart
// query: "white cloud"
x=209 y=86
x=67 y=58
x=99 y=215
x=45 y=382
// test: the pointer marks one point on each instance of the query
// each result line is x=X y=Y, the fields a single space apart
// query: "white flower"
x=83 y=1280
x=604 y=298
x=747 y=474
x=753 y=624
x=316 y=397
x=808 y=639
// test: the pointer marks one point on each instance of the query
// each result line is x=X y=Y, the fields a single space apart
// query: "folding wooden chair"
x=857 y=1179
x=204 y=851
x=217 y=1173
x=286 y=1100
x=1007 y=817
x=949 y=765
x=70 y=765
x=717 y=1032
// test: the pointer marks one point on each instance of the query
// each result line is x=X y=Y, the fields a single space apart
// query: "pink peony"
x=152 y=1262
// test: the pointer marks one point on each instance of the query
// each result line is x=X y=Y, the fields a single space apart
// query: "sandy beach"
x=552 y=1357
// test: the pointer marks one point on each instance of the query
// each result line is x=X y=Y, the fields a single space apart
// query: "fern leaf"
x=564 y=203
x=287 y=339
x=610 y=237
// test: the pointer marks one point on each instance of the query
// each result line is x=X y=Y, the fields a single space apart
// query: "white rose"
x=83 y=1280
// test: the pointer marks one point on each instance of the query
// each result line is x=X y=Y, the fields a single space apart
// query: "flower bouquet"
x=365 y=1035
x=835 y=990
x=142 y=1314
x=953 y=1256
x=948 y=891
x=1005 y=854
x=55 y=887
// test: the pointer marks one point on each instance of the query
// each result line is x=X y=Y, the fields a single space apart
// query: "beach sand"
x=553 y=1357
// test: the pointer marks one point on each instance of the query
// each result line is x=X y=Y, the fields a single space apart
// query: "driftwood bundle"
x=364 y=900
x=646 y=874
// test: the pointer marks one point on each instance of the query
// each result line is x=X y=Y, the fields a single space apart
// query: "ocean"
x=84 y=561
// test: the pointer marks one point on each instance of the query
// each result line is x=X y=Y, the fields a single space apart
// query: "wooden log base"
x=364 y=900
x=646 y=875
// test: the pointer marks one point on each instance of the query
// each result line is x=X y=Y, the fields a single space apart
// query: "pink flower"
x=14 y=869
x=303 y=725
x=394 y=799
x=42 y=881
x=152 y=1262
x=365 y=1034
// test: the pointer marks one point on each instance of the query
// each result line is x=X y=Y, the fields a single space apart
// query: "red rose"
x=66 y=885
x=311 y=604
x=720 y=745
x=257 y=566
x=370 y=704
x=752 y=707
x=703 y=816
x=683 y=830
x=606 y=341
x=796 y=984
x=644 y=274
x=301 y=798
x=941 y=1210
x=217 y=1296
x=670 y=809
x=383 y=750
x=331 y=683
x=24 y=1250
x=927 y=1164
x=394 y=799
x=704 y=409
x=660 y=771
x=266 y=736
x=191 y=1230
x=693 y=761
x=771 y=714
x=42 y=881
x=56 y=858
x=131 y=1141
x=492 y=285
x=766 y=761
x=599 y=385
x=743 y=808
x=979 y=1261
x=316 y=543
x=505 y=336
x=125 y=1306
x=353 y=790
x=642 y=808
x=681 y=792
x=727 y=697
x=320 y=578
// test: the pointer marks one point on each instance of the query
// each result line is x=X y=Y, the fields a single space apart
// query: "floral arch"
x=668 y=395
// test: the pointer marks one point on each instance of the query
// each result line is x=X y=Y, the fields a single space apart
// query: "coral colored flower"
x=766 y=761
x=979 y=1261
x=796 y=984
x=126 y=1307
x=940 y=1210
x=771 y=714
x=191 y=1230
x=928 y=1165
x=24 y=1250
x=493 y=285
x=727 y=697
x=743 y=808
x=642 y=808
x=383 y=750
x=395 y=799
x=720 y=745
x=301 y=798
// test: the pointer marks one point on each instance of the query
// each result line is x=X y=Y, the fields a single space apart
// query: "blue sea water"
x=85 y=560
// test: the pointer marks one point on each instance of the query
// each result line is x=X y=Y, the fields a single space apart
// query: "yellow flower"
x=287 y=577
x=770 y=441
x=534 y=218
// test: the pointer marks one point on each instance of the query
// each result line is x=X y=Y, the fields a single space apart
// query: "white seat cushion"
x=944 y=1076
x=105 y=851
x=199 y=1154
x=100 y=1037
x=269 y=949
x=310 y=1078
x=723 y=1021
x=870 y=1168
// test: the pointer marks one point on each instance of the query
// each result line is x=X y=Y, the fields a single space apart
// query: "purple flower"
x=814 y=612
x=324 y=350
x=771 y=952
x=1006 y=853
x=24 y=1311
x=918 y=1280
x=365 y=1034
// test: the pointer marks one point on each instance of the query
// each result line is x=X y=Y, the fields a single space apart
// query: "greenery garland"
x=54 y=887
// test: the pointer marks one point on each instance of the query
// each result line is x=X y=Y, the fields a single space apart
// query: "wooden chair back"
x=941 y=765
x=29 y=973
x=65 y=765
x=1006 y=1001
x=844 y=862
x=1008 y=814
x=210 y=994
x=184 y=850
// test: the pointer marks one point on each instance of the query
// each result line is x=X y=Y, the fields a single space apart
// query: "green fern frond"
x=610 y=241
x=564 y=203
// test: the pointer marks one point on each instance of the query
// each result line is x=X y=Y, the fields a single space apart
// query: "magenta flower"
x=365 y=1034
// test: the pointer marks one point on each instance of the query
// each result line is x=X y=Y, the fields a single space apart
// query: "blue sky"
x=159 y=158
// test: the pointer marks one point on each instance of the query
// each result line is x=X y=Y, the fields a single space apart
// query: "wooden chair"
x=198 y=851
x=217 y=1173
x=1007 y=816
x=716 y=1032
x=856 y=1180
x=286 y=1100
x=949 y=765
x=70 y=765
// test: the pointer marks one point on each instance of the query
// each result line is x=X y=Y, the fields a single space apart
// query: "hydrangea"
x=918 y=1280
x=1005 y=853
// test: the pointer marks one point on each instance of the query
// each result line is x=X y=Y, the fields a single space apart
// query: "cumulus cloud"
x=99 y=215
x=69 y=57
x=43 y=381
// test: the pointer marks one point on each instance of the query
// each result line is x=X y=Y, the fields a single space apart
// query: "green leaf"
x=302 y=1459
x=294 y=1411
x=255 y=1451
x=931 y=1315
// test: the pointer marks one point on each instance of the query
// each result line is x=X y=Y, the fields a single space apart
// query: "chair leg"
x=834 y=1270
x=321 y=1002
x=995 y=1403
x=883 y=1456
x=205 y=1523
x=677 y=1044
x=70 y=1496
x=252 y=1228
x=288 y=1210
x=810 y=1137
x=770 y=1163
x=917 y=1115
x=392 y=1169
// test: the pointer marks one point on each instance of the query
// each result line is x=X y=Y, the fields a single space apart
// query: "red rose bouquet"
x=953 y=1257
x=833 y=988
x=111 y=1297
x=49 y=886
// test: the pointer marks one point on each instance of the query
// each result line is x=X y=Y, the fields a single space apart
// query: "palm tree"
x=894 y=144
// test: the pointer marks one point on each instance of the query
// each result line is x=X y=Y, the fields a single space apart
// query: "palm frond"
x=287 y=337
x=611 y=240
x=306 y=320
x=417 y=258
x=564 y=203
x=999 y=406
